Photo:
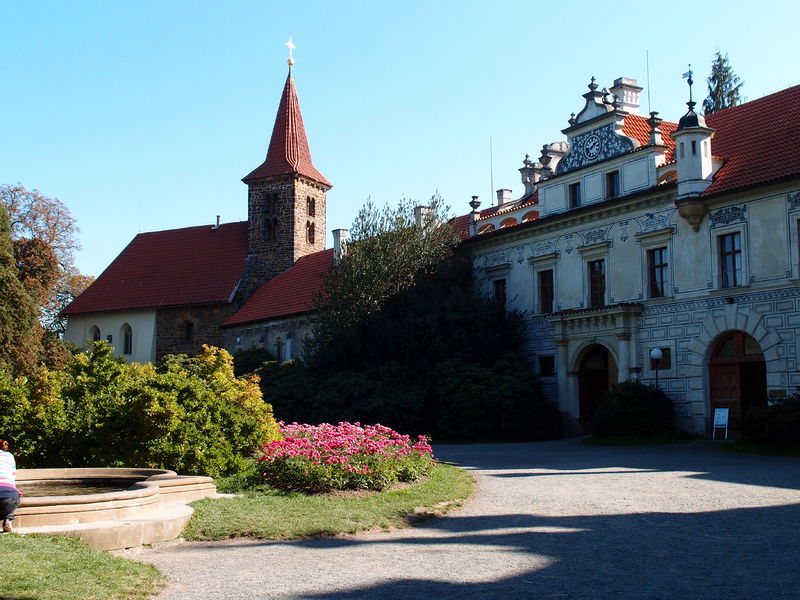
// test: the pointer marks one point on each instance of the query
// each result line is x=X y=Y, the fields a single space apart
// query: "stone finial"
x=655 y=132
x=592 y=85
x=572 y=119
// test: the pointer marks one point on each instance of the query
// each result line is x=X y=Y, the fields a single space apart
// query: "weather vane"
x=688 y=75
x=291 y=47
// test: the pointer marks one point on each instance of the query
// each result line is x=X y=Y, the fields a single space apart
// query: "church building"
x=171 y=291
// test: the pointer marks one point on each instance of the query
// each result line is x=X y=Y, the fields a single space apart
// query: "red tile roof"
x=757 y=140
x=290 y=293
x=461 y=223
x=288 y=148
x=636 y=127
x=193 y=265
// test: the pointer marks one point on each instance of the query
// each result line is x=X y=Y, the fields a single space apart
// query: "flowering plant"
x=346 y=456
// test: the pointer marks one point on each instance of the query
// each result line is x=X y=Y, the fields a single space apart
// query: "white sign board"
x=720 y=421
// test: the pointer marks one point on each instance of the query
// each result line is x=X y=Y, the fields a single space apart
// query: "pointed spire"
x=288 y=148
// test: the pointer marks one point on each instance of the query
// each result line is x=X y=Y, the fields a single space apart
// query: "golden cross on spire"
x=291 y=47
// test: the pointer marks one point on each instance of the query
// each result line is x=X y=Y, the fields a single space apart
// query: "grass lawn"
x=282 y=515
x=36 y=567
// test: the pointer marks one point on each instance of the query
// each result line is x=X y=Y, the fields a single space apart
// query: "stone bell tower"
x=286 y=198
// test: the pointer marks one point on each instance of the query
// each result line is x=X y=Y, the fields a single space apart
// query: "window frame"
x=594 y=253
x=657 y=274
x=127 y=339
x=613 y=176
x=539 y=264
x=574 y=194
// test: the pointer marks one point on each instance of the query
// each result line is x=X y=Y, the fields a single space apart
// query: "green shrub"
x=193 y=415
x=502 y=401
x=776 y=424
x=631 y=408
x=249 y=361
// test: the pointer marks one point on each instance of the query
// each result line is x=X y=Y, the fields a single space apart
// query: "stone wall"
x=280 y=212
x=171 y=328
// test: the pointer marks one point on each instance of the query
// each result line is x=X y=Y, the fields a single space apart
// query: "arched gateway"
x=597 y=372
x=738 y=375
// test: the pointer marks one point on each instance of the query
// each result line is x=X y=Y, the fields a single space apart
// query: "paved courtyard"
x=554 y=520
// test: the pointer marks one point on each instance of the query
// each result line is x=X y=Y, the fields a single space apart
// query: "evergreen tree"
x=20 y=331
x=723 y=86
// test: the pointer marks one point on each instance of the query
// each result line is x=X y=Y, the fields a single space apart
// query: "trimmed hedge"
x=776 y=424
x=631 y=408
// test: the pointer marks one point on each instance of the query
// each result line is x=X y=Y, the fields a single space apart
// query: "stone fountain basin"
x=152 y=509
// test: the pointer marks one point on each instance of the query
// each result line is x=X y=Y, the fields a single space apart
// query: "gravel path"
x=554 y=520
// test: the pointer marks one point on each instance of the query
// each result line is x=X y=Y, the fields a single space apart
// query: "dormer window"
x=612 y=184
x=574 y=195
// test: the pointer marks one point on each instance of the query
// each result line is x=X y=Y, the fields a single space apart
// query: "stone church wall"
x=172 y=325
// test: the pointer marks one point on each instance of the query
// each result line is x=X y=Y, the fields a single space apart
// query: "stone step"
x=160 y=525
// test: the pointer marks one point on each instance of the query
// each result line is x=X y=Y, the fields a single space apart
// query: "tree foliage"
x=437 y=359
x=723 y=86
x=45 y=242
x=20 y=331
x=386 y=254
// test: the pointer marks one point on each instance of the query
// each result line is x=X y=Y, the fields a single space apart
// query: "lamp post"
x=655 y=356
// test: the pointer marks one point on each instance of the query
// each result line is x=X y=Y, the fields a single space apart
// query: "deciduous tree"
x=389 y=249
x=20 y=331
x=723 y=86
x=44 y=234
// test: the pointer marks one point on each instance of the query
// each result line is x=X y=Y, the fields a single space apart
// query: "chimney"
x=217 y=225
x=503 y=197
x=627 y=93
x=339 y=244
x=422 y=215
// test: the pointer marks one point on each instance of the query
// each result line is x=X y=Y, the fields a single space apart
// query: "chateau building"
x=637 y=234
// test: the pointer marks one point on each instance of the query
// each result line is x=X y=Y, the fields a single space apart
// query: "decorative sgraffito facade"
x=647 y=249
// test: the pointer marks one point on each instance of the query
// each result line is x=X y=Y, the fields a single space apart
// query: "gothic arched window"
x=94 y=333
x=127 y=339
x=310 y=232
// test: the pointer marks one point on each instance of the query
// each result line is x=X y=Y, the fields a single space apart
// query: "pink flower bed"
x=345 y=456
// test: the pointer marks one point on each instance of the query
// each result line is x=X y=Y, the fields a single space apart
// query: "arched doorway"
x=597 y=372
x=738 y=376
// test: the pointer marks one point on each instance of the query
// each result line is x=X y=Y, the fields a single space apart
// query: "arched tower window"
x=311 y=206
x=271 y=229
x=94 y=333
x=127 y=339
x=310 y=232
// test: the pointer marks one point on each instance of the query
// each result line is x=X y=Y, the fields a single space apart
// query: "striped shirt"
x=8 y=470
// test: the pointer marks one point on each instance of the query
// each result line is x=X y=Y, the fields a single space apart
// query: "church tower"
x=286 y=198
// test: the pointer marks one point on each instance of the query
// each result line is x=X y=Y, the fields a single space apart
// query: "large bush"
x=631 y=408
x=191 y=415
x=776 y=424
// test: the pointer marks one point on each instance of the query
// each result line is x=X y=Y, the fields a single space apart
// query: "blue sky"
x=145 y=115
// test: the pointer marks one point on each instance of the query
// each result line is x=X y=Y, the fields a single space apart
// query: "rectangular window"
x=546 y=291
x=574 y=195
x=657 y=267
x=730 y=256
x=500 y=290
x=597 y=283
x=612 y=184
x=547 y=366
x=665 y=363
